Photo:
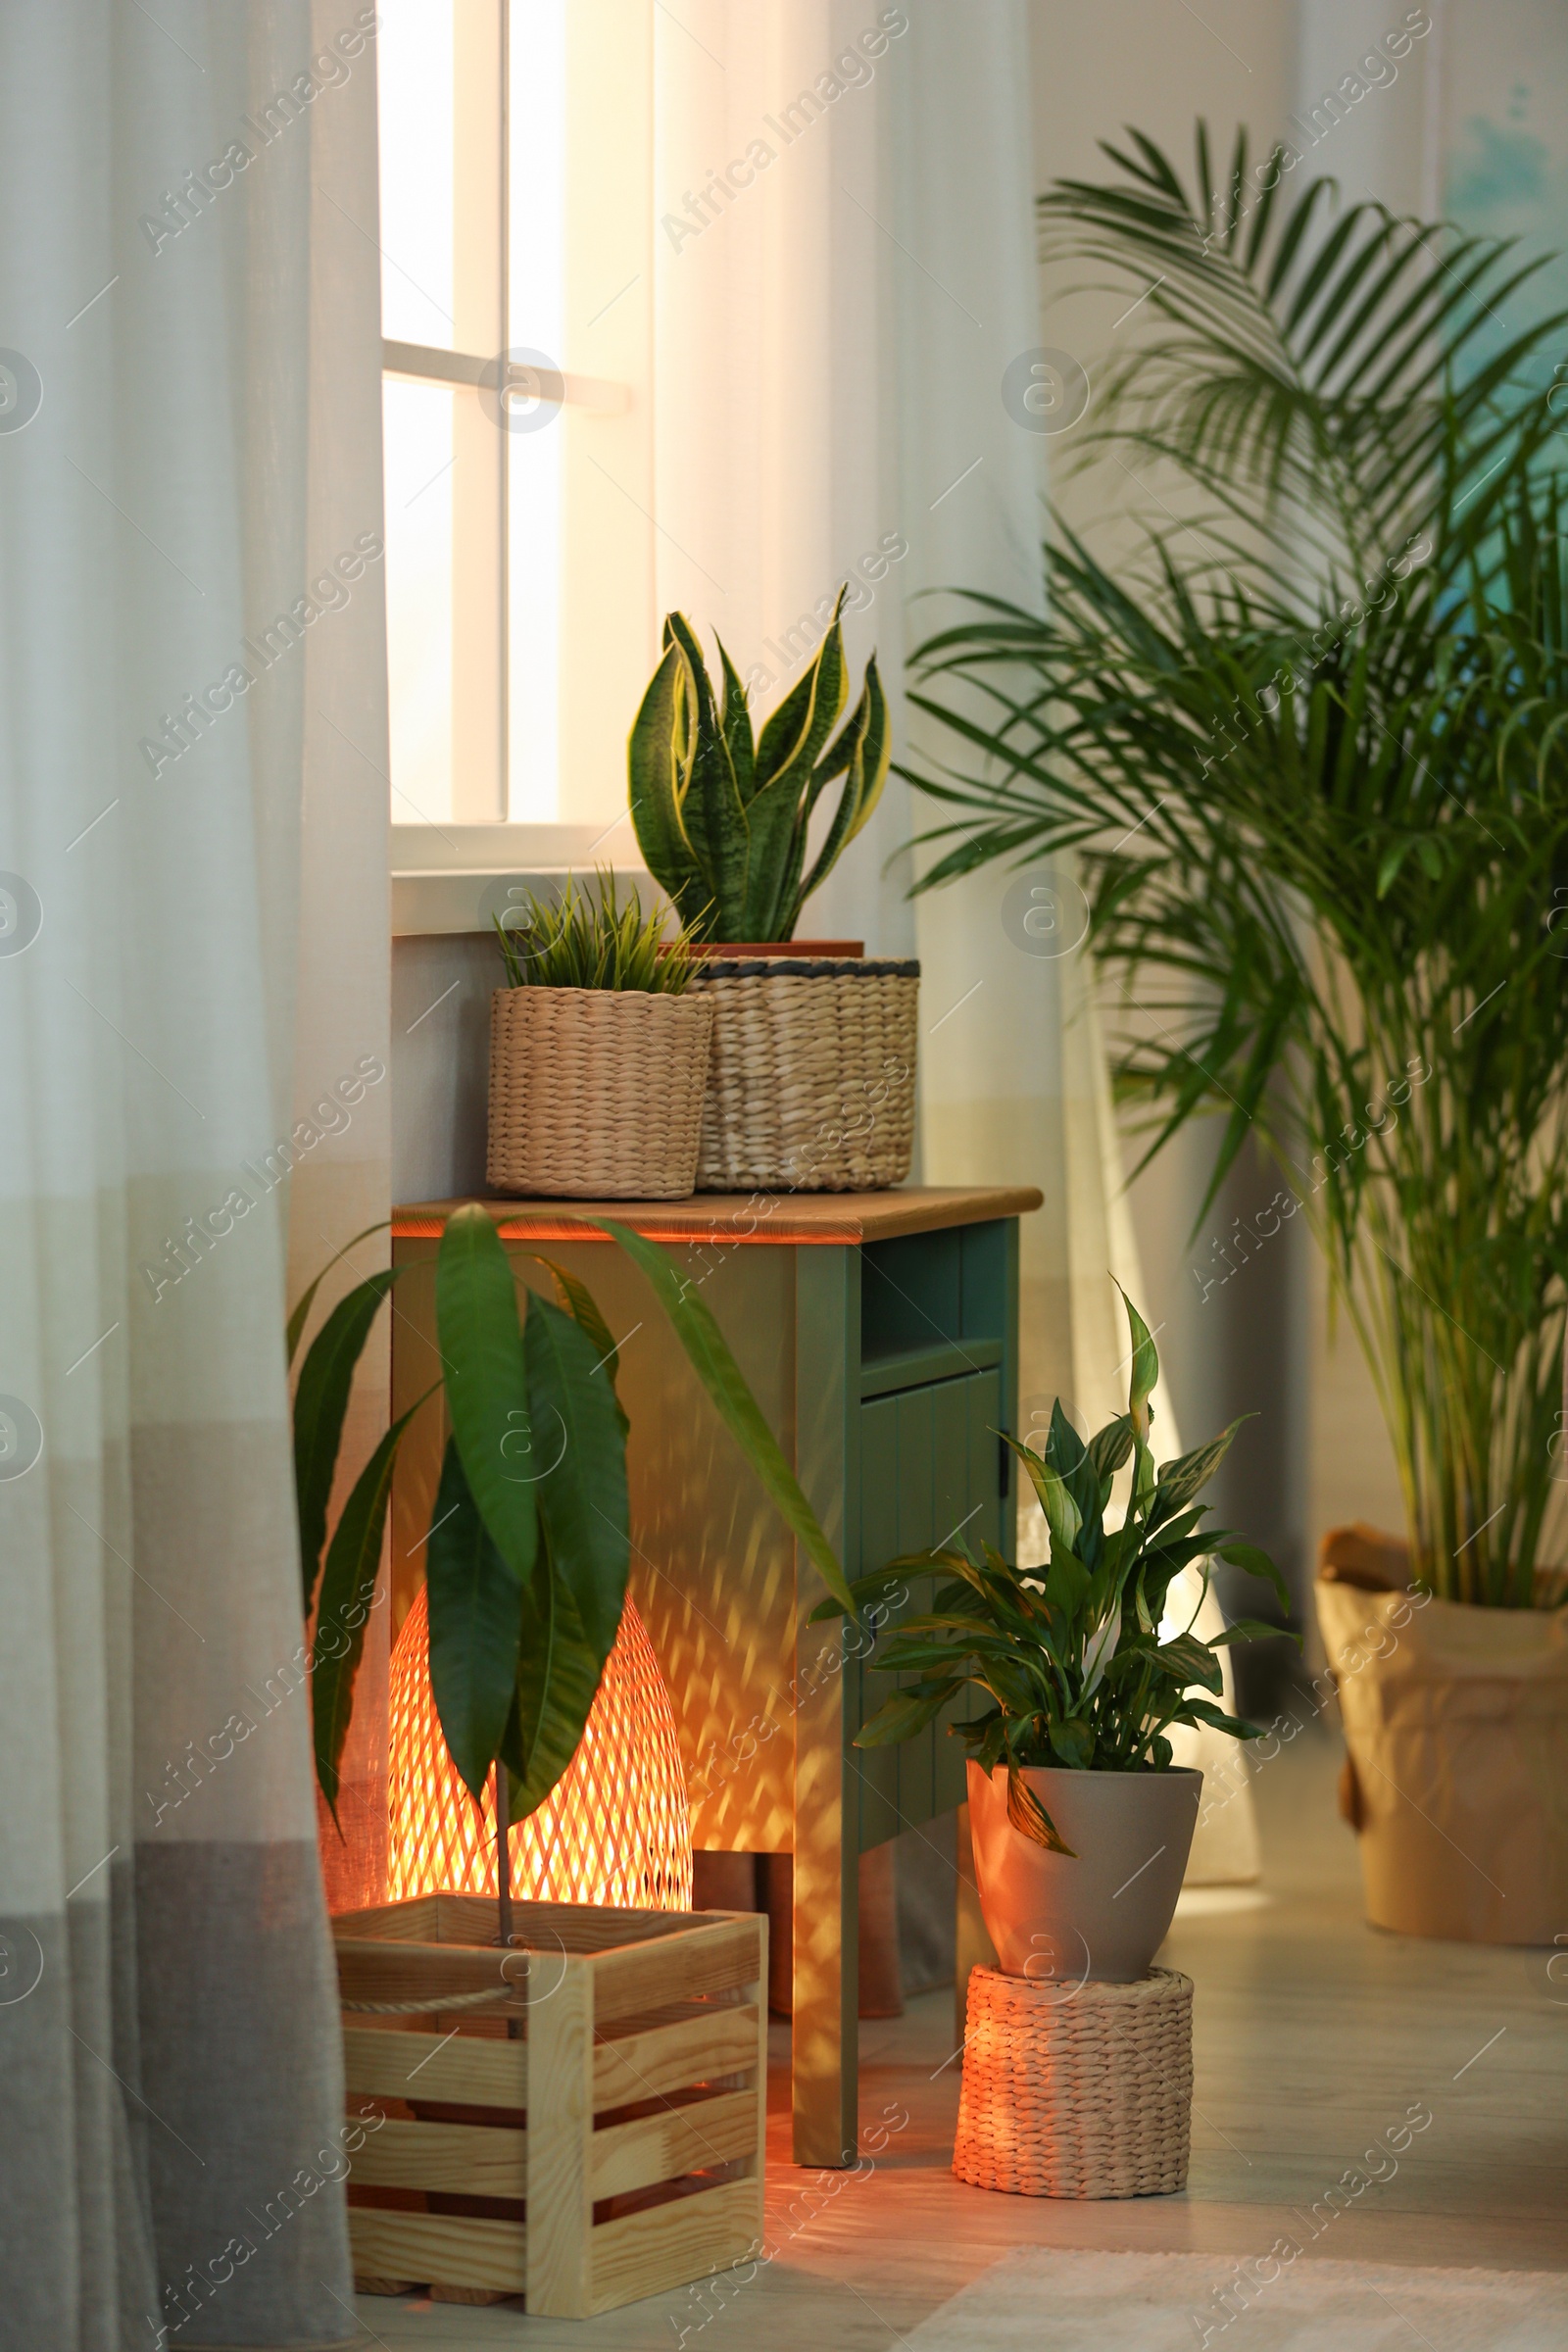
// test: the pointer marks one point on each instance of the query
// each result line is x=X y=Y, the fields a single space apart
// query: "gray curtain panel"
x=193 y=945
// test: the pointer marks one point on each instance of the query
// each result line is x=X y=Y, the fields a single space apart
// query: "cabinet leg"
x=826 y=1967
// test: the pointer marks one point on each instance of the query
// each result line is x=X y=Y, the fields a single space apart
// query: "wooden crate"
x=579 y=2120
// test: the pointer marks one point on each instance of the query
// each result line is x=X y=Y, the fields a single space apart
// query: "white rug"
x=1049 y=2302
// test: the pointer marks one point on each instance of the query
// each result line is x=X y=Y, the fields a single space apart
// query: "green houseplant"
x=812 y=1079
x=527 y=1576
x=1313 y=763
x=722 y=816
x=1071 y=1781
x=597 y=1052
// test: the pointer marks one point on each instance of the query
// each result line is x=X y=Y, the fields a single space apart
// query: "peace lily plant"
x=1071 y=1662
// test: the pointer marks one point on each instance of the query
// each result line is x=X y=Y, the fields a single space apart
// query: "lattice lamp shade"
x=614 y=1829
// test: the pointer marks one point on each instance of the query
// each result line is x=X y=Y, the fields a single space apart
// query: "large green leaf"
x=708 y=1355
x=487 y=1383
x=905 y=1713
x=476 y=1603
x=582 y=1489
x=558 y=1671
x=1186 y=1476
x=295 y=1328
x=578 y=1302
x=321 y=1402
x=348 y=1588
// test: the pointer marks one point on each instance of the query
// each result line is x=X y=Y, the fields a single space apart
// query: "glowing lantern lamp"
x=613 y=1829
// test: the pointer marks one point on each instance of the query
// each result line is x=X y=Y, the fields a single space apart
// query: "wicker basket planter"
x=811 y=1077
x=1077 y=2093
x=597 y=1093
x=579 y=2121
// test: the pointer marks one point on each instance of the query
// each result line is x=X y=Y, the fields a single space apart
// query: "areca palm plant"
x=1312 y=759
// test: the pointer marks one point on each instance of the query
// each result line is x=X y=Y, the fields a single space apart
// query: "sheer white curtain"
x=835 y=314
x=191 y=819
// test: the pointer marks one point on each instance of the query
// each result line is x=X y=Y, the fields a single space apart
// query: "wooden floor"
x=1315 y=2035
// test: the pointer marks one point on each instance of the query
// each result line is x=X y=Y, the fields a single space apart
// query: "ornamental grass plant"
x=590 y=939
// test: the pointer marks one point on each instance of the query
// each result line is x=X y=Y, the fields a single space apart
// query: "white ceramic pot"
x=1105 y=1913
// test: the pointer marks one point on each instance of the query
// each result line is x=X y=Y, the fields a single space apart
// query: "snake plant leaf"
x=708 y=1355
x=869 y=745
x=712 y=812
x=487 y=1383
x=581 y=1481
x=475 y=1602
x=295 y=1329
x=796 y=734
x=735 y=719
x=658 y=757
x=348 y=1589
x=559 y=1672
x=321 y=1402
x=776 y=817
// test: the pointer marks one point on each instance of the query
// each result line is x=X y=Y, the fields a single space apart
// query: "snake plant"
x=721 y=817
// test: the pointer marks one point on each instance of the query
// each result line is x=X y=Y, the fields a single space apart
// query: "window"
x=516 y=301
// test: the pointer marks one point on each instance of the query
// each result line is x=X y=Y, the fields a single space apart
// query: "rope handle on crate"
x=438 y=2004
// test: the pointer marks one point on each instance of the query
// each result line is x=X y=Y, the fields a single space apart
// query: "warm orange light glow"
x=613 y=1829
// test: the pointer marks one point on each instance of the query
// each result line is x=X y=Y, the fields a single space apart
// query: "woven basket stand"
x=595 y=1093
x=1082 y=2091
x=811 y=1078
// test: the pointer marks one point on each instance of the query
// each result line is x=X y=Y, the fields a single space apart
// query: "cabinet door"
x=928 y=1478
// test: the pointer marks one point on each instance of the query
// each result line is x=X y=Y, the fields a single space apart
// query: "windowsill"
x=456 y=878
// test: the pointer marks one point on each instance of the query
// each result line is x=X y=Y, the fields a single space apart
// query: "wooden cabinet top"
x=799 y=1218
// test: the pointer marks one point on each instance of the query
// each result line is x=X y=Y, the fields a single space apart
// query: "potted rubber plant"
x=811 y=1078
x=597 y=1052
x=1081 y=1820
x=1312 y=762
x=526 y=1576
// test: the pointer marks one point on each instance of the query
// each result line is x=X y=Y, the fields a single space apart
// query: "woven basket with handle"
x=597 y=1093
x=1076 y=2091
x=812 y=1083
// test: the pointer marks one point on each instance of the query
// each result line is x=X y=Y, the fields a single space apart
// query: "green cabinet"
x=879 y=1334
x=930 y=1475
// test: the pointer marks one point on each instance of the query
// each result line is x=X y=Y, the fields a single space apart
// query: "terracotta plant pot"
x=1104 y=1915
x=1456 y=1732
